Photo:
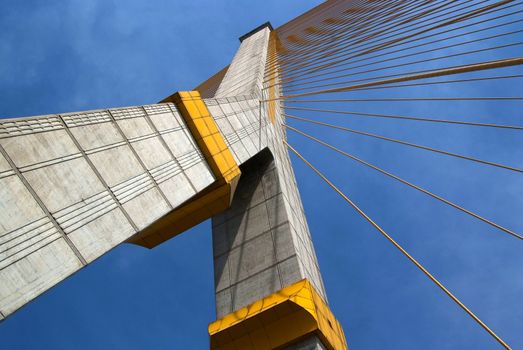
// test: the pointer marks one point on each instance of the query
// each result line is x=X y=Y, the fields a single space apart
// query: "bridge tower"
x=73 y=186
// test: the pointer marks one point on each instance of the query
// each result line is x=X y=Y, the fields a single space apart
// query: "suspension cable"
x=427 y=83
x=307 y=78
x=410 y=99
x=361 y=161
x=375 y=115
x=458 y=19
x=409 y=77
x=298 y=87
x=401 y=249
x=408 y=144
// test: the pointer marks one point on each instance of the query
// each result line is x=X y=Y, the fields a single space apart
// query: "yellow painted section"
x=214 y=199
x=272 y=52
x=207 y=136
x=279 y=320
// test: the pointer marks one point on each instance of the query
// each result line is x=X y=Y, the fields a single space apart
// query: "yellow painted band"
x=207 y=135
x=279 y=320
x=214 y=199
x=273 y=38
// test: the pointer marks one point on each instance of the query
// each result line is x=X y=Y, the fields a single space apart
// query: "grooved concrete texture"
x=73 y=186
x=262 y=243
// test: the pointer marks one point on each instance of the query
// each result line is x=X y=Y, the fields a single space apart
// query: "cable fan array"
x=415 y=62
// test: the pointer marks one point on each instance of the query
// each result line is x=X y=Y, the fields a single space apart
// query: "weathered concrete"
x=257 y=248
x=73 y=186
x=245 y=75
x=262 y=243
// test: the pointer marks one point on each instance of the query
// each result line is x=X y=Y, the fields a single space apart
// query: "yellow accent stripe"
x=207 y=135
x=279 y=320
x=214 y=199
x=273 y=39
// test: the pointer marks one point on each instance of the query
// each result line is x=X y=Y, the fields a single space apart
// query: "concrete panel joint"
x=75 y=185
x=212 y=200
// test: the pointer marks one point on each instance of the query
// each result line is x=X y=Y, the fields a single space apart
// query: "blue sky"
x=77 y=55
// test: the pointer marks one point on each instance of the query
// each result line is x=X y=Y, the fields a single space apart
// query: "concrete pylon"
x=73 y=186
x=263 y=253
